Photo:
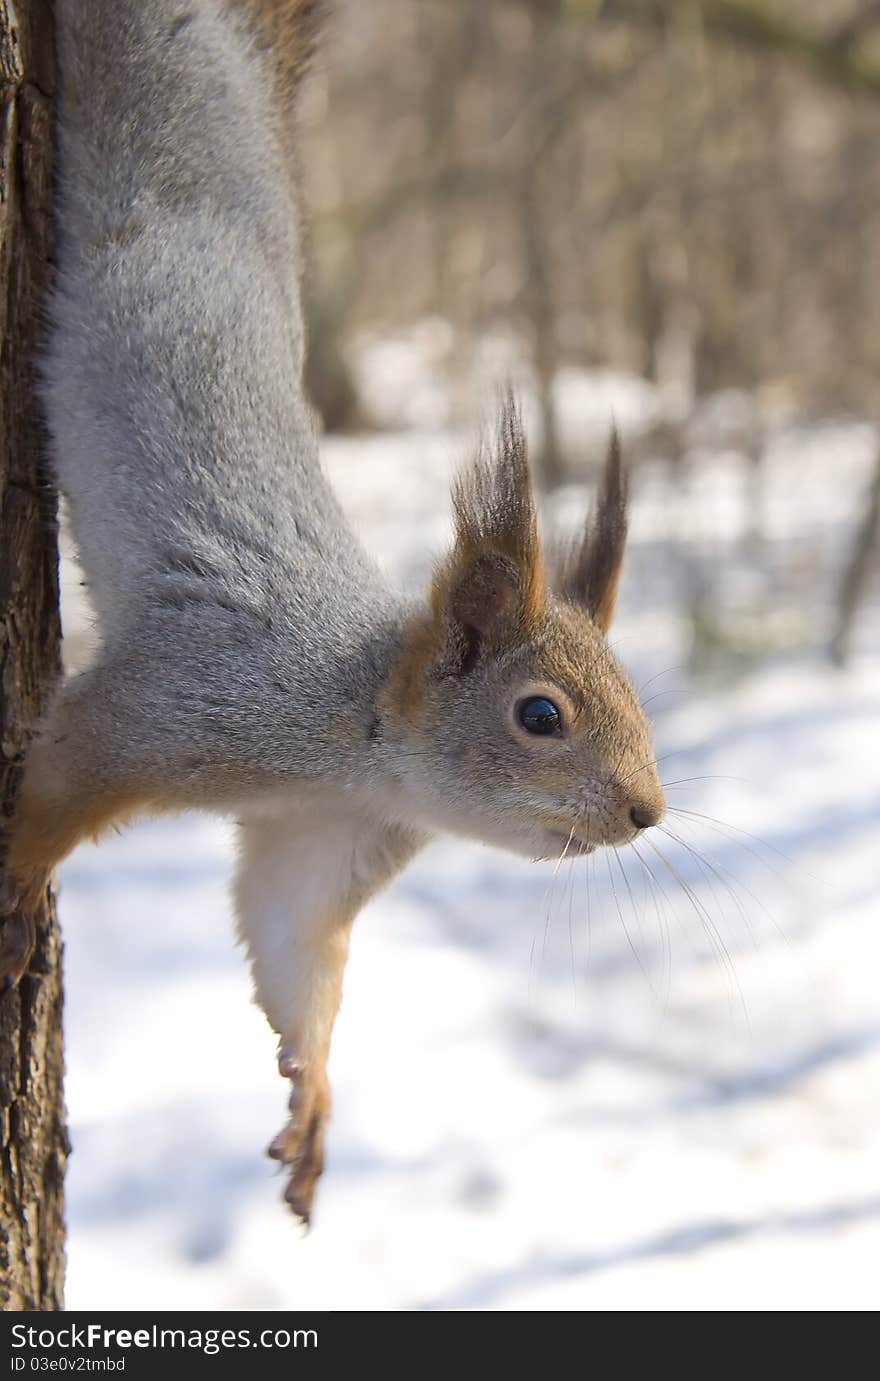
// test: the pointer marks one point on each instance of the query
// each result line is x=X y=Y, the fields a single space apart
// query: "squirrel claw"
x=300 y=1146
x=301 y=1150
x=275 y=1150
x=299 y=1206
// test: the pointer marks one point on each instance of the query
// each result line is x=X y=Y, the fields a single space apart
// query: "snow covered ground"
x=580 y=1093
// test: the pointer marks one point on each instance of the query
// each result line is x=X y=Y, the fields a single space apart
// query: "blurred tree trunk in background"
x=326 y=374
x=33 y=1138
x=540 y=308
x=858 y=569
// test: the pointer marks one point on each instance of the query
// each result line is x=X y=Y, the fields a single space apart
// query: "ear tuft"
x=490 y=592
x=492 y=498
x=591 y=572
x=496 y=565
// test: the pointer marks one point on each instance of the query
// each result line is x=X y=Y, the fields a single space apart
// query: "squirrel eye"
x=540 y=716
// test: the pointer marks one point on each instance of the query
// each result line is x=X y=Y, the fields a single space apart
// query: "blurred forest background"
x=684 y=191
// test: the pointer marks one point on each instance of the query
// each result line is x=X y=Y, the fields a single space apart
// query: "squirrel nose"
x=643 y=817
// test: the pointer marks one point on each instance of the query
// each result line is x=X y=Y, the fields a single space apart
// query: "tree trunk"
x=33 y=1138
x=536 y=241
x=858 y=569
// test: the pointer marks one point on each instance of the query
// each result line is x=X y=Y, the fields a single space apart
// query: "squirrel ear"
x=591 y=573
x=492 y=587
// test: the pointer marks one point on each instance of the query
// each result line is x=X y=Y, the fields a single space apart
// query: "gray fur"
x=248 y=639
x=244 y=628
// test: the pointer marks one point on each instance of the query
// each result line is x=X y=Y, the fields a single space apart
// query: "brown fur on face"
x=495 y=635
x=491 y=593
x=608 y=724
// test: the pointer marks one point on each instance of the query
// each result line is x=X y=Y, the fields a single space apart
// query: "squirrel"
x=253 y=660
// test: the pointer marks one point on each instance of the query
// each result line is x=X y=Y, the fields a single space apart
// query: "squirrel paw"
x=17 y=937
x=300 y=1145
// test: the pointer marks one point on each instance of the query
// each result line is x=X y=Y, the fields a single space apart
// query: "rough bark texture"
x=33 y=1138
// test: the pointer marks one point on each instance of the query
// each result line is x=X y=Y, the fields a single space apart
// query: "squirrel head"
x=508 y=716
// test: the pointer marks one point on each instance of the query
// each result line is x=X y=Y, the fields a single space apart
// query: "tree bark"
x=33 y=1137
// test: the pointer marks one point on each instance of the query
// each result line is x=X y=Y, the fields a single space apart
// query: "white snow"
x=582 y=1100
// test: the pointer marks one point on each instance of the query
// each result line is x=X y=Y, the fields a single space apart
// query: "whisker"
x=571 y=876
x=707 y=777
x=638 y=918
x=719 y=868
x=709 y=870
x=656 y=677
x=662 y=921
x=629 y=940
x=724 y=827
x=548 y=896
x=711 y=929
x=673 y=690
x=651 y=762
x=632 y=901
x=588 y=867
